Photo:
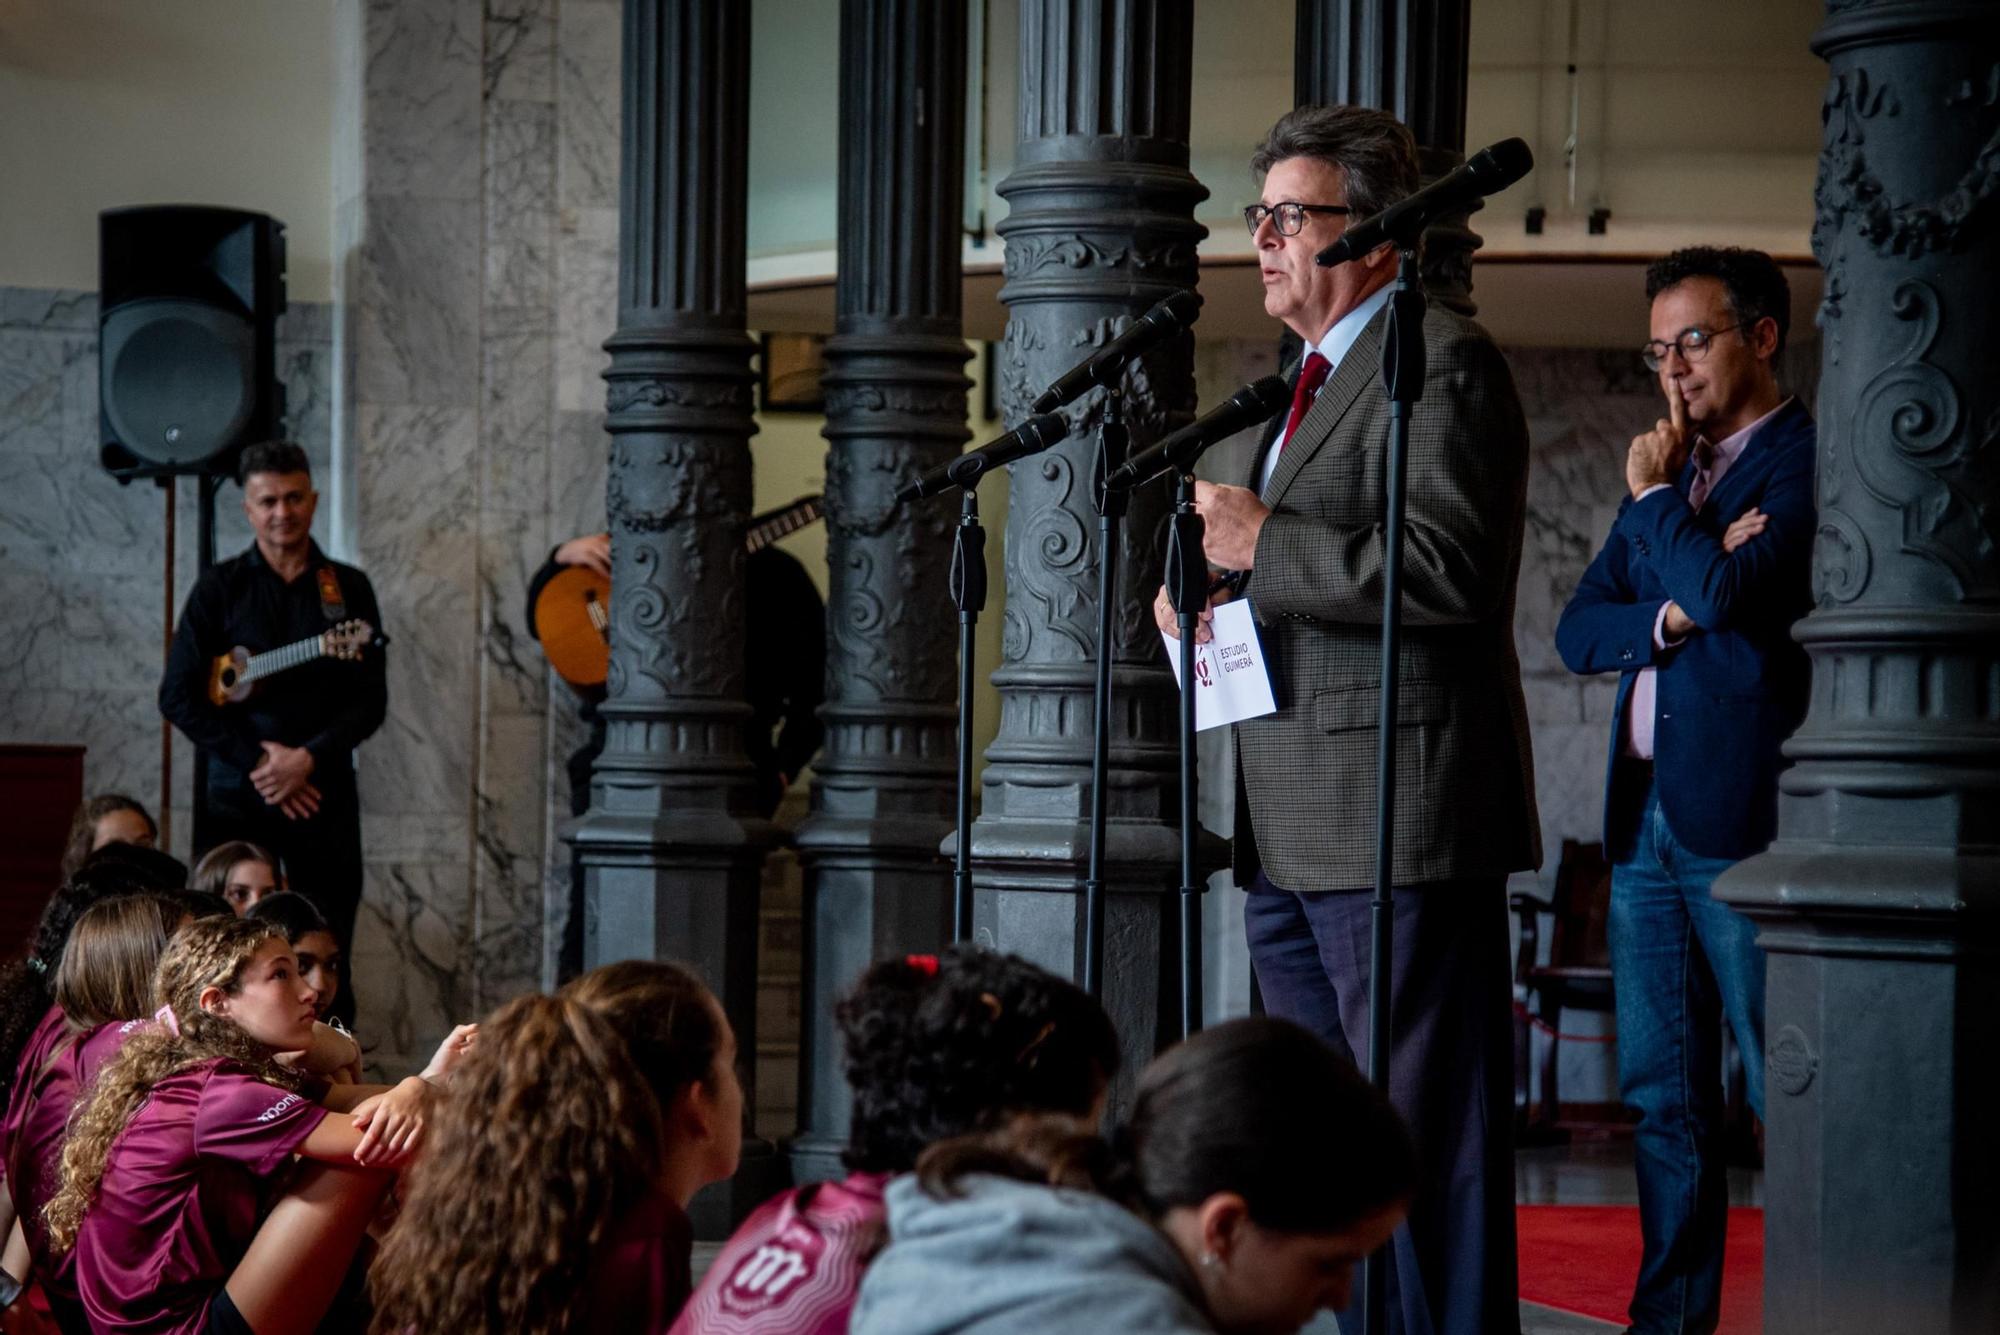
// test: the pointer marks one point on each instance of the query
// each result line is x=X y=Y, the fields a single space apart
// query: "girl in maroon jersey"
x=935 y=1047
x=171 y=1190
x=553 y=1194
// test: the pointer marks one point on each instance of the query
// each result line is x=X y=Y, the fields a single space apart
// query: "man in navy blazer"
x=1691 y=601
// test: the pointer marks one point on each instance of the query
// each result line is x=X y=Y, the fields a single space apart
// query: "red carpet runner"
x=1584 y=1259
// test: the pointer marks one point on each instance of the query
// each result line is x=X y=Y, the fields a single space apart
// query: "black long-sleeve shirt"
x=327 y=706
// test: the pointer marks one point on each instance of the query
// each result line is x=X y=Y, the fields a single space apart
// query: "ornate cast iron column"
x=1100 y=227
x=671 y=848
x=1880 y=901
x=1408 y=57
x=895 y=394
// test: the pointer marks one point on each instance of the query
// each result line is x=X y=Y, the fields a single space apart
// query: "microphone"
x=1254 y=403
x=1104 y=366
x=1031 y=437
x=1486 y=172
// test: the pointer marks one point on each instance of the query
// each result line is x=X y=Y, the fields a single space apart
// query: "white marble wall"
x=82 y=558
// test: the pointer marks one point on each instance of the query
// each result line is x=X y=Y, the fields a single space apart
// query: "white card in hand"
x=1234 y=683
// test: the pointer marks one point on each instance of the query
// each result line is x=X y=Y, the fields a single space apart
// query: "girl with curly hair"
x=1257 y=1167
x=552 y=1195
x=171 y=1192
x=934 y=1047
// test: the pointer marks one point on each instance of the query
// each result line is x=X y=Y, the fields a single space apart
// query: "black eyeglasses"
x=1692 y=345
x=1288 y=217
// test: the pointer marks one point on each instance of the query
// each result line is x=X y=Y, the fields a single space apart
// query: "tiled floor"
x=1592 y=1173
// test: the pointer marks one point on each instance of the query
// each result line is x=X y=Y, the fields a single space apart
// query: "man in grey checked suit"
x=1307 y=533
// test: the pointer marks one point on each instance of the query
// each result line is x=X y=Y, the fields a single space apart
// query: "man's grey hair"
x=1376 y=152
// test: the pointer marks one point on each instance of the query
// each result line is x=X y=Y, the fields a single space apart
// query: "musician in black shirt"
x=281 y=762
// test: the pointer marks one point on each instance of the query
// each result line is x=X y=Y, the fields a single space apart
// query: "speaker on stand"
x=188 y=304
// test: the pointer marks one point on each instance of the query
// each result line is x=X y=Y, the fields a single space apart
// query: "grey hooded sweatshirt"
x=1010 y=1257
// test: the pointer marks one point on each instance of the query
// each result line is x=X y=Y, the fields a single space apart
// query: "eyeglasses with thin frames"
x=1288 y=216
x=1692 y=345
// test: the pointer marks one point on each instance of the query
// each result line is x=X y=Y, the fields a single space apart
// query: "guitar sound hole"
x=228 y=678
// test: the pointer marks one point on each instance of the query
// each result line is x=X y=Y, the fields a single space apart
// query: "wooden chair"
x=1576 y=977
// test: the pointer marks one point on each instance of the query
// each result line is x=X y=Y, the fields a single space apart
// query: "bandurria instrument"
x=233 y=674
x=573 y=610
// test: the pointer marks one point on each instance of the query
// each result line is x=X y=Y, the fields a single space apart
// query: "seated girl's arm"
x=383 y=1130
x=349 y=1098
x=332 y=1052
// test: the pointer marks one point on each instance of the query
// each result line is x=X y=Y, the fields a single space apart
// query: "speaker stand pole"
x=968 y=593
x=166 y=648
x=1403 y=377
x=1187 y=589
x=1112 y=441
x=207 y=484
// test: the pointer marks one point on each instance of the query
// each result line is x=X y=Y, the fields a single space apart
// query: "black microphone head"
x=1177 y=311
x=1265 y=397
x=1500 y=165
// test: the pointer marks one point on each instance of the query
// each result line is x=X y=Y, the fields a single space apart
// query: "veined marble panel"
x=120 y=731
x=42 y=372
x=507 y=921
x=415 y=323
x=61 y=512
x=586 y=305
x=514 y=674
x=421 y=99
x=48 y=310
x=520 y=203
x=520 y=50
x=517 y=410
x=577 y=470
x=111 y=634
x=588 y=98
x=33 y=647
x=409 y=960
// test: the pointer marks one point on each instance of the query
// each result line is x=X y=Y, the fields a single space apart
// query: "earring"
x=1210 y=1261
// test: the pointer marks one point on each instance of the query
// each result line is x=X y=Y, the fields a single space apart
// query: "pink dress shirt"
x=1642 y=706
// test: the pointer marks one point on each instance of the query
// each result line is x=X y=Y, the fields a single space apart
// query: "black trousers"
x=1452 y=1267
x=321 y=854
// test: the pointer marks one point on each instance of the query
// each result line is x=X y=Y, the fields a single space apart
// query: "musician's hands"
x=1747 y=526
x=1232 y=517
x=592 y=550
x=281 y=779
x=1169 y=622
x=1659 y=455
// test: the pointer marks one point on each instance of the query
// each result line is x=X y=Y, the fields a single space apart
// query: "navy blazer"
x=1733 y=691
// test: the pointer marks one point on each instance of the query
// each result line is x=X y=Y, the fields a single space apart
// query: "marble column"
x=672 y=846
x=895 y=392
x=1410 y=58
x=1880 y=901
x=1100 y=228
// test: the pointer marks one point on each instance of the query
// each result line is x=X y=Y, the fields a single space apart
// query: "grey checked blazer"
x=1465 y=791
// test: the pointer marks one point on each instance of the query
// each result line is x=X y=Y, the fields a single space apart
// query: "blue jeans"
x=1681 y=962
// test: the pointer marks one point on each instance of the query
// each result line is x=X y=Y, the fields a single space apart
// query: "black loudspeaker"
x=188 y=302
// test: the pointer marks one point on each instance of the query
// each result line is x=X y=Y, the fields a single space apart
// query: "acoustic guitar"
x=573 y=610
x=233 y=675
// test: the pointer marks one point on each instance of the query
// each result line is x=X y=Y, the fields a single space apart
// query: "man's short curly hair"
x=271 y=456
x=1755 y=284
x=935 y=1054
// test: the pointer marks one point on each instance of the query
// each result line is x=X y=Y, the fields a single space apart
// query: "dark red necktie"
x=1311 y=376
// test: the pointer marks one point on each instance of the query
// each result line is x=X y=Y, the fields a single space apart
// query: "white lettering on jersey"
x=769 y=1271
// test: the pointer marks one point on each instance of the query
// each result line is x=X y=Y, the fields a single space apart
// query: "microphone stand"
x=1187 y=590
x=1113 y=440
x=968 y=594
x=1403 y=378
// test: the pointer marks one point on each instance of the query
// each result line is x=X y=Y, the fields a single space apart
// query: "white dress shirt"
x=1333 y=347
